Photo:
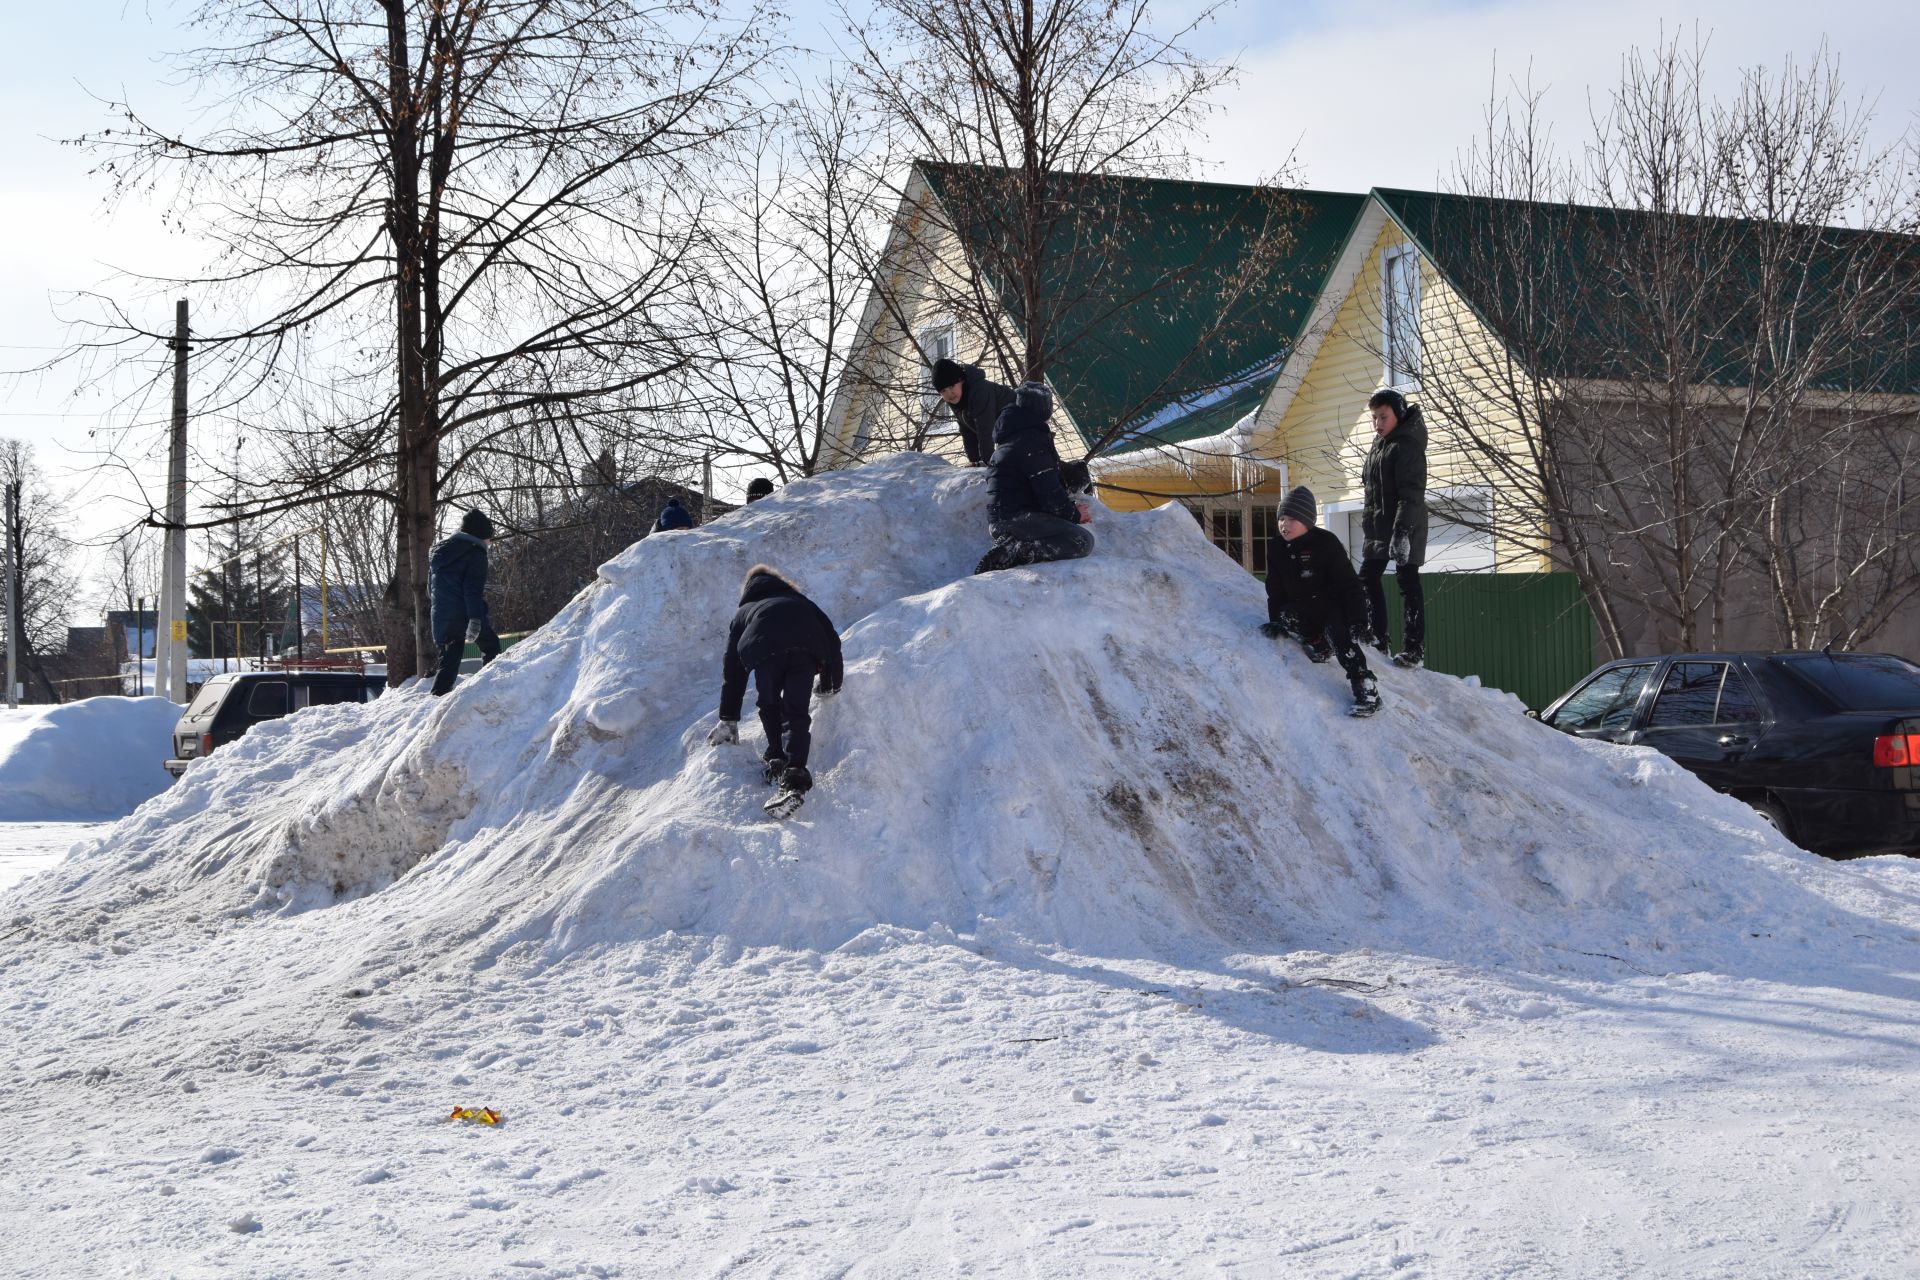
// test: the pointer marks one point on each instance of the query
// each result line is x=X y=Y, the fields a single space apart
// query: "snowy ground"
x=1107 y=947
x=27 y=847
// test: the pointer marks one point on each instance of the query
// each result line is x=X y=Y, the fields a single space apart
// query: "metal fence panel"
x=1528 y=633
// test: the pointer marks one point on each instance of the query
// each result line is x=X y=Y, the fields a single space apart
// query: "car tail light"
x=206 y=746
x=1896 y=751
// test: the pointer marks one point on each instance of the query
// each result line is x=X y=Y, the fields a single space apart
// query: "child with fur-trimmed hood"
x=785 y=640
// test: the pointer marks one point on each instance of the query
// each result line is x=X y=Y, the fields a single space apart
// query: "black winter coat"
x=1396 y=494
x=1024 y=473
x=982 y=401
x=458 y=575
x=1311 y=582
x=775 y=619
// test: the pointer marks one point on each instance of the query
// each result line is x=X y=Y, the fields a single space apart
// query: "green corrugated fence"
x=1528 y=633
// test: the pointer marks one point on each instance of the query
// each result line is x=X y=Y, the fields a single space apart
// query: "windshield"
x=1860 y=681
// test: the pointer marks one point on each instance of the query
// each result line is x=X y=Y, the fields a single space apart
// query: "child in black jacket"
x=784 y=640
x=1314 y=596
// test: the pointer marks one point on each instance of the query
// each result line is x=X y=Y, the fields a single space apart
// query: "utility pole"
x=14 y=629
x=173 y=603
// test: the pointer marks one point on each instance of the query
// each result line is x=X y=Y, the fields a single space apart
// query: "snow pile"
x=1101 y=755
x=86 y=761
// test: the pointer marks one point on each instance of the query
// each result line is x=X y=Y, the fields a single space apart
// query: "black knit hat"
x=1300 y=505
x=946 y=373
x=476 y=523
x=1034 y=398
x=758 y=487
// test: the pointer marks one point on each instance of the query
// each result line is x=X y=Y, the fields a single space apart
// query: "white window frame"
x=1469 y=492
x=1348 y=533
x=937 y=339
x=1409 y=369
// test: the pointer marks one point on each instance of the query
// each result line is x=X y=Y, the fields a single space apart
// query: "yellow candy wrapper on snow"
x=479 y=1115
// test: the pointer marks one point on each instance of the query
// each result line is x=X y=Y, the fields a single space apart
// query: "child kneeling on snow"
x=1314 y=596
x=785 y=640
x=1030 y=514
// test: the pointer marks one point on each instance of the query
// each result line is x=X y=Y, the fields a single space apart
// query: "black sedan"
x=1825 y=745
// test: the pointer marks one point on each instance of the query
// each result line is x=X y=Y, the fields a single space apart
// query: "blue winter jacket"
x=459 y=579
x=1024 y=473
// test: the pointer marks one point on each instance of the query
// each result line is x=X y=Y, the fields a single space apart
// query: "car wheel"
x=1775 y=816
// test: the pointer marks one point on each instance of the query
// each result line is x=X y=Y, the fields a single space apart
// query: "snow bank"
x=1101 y=755
x=87 y=761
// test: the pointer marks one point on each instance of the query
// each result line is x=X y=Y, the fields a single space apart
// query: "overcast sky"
x=1383 y=94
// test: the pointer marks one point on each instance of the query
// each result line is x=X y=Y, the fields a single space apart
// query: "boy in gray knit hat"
x=1314 y=596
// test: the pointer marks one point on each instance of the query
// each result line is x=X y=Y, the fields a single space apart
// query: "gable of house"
x=1160 y=338
x=1549 y=278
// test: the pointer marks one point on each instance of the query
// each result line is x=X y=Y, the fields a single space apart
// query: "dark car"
x=229 y=705
x=1826 y=746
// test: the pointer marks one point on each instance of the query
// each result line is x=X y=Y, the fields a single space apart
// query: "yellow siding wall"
x=1325 y=431
x=930 y=267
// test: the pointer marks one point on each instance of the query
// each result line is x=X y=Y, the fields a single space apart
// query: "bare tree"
x=440 y=217
x=798 y=208
x=44 y=582
x=1688 y=349
x=1024 y=121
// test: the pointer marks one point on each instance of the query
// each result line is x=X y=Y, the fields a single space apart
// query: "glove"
x=1317 y=652
x=826 y=690
x=474 y=626
x=1401 y=550
x=723 y=733
x=1272 y=630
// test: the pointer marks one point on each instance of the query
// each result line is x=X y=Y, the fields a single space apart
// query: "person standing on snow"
x=757 y=488
x=458 y=576
x=1314 y=597
x=1394 y=522
x=784 y=640
x=673 y=516
x=977 y=404
x=1029 y=513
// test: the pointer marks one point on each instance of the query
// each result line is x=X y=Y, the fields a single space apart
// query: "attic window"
x=1400 y=316
x=936 y=343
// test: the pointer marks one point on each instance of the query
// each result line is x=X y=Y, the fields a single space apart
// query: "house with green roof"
x=1181 y=390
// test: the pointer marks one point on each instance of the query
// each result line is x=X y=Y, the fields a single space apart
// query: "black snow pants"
x=1035 y=538
x=1413 y=604
x=784 y=684
x=452 y=639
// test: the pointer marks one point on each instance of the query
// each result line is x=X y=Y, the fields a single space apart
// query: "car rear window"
x=207 y=699
x=1860 y=681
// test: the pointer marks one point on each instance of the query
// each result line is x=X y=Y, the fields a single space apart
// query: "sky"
x=1339 y=96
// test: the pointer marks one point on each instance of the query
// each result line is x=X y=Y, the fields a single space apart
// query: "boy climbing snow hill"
x=784 y=639
x=1314 y=596
x=1030 y=515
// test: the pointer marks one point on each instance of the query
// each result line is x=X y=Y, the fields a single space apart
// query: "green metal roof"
x=1145 y=336
x=1571 y=290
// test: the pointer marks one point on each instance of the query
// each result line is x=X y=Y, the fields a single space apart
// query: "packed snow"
x=1106 y=945
x=86 y=761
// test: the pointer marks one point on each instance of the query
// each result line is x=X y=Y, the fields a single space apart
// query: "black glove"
x=1317 y=650
x=1402 y=549
x=725 y=732
x=824 y=689
x=473 y=630
x=1272 y=630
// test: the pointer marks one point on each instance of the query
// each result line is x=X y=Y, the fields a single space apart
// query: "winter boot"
x=1366 y=699
x=995 y=559
x=776 y=769
x=794 y=785
x=1412 y=659
x=1317 y=650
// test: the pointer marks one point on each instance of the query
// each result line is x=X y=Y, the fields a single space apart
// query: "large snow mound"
x=88 y=761
x=1102 y=755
